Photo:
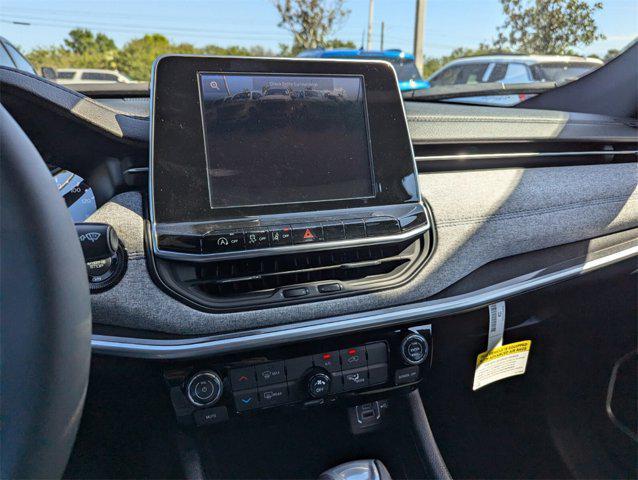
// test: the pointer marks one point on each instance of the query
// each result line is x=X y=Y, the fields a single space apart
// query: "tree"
x=81 y=49
x=82 y=41
x=548 y=26
x=137 y=56
x=611 y=53
x=311 y=22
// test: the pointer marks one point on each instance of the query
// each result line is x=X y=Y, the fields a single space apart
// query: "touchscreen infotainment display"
x=281 y=139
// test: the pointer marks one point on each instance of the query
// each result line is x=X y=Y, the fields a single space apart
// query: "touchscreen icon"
x=214 y=85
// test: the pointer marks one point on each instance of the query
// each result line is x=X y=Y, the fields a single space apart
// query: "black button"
x=406 y=375
x=307 y=234
x=223 y=242
x=295 y=292
x=180 y=243
x=270 y=373
x=256 y=238
x=243 y=378
x=328 y=360
x=378 y=373
x=211 y=416
x=280 y=235
x=337 y=383
x=355 y=379
x=297 y=390
x=378 y=227
x=296 y=367
x=333 y=231
x=413 y=221
x=377 y=353
x=246 y=400
x=329 y=288
x=180 y=403
x=353 y=358
x=273 y=395
x=354 y=229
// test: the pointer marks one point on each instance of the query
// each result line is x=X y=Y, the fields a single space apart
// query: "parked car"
x=91 y=75
x=403 y=63
x=509 y=69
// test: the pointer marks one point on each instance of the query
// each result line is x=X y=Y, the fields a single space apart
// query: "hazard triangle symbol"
x=308 y=234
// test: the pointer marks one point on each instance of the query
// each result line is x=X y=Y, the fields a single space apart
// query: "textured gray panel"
x=480 y=216
x=445 y=123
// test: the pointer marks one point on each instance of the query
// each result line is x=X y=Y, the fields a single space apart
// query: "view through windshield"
x=431 y=43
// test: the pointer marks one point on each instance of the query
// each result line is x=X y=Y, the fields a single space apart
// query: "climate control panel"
x=299 y=376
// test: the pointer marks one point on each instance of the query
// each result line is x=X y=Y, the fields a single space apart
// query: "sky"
x=449 y=23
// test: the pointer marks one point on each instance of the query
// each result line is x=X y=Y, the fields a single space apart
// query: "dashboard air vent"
x=264 y=281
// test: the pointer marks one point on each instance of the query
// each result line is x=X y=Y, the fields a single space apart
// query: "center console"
x=355 y=370
x=278 y=181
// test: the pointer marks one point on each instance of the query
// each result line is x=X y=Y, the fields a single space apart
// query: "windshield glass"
x=558 y=72
x=431 y=44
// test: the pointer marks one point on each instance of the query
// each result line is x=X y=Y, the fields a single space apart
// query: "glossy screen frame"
x=178 y=179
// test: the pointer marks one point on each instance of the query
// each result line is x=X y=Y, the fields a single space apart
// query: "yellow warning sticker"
x=501 y=362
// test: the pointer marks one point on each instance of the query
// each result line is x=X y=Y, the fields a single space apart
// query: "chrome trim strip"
x=487 y=156
x=269 y=337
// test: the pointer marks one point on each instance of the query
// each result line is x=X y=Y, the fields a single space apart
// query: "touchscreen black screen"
x=280 y=139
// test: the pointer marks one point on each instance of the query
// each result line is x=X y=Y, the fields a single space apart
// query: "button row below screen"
x=285 y=235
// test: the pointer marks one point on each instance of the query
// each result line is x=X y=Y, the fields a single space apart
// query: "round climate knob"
x=319 y=384
x=204 y=388
x=414 y=349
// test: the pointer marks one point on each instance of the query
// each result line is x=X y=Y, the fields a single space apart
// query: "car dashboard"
x=260 y=287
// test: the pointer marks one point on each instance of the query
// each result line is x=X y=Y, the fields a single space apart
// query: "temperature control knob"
x=204 y=388
x=319 y=384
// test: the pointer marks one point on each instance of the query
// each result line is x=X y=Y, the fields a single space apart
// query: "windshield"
x=406 y=70
x=558 y=72
x=446 y=43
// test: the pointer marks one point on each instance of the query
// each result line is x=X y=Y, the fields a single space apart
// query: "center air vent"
x=266 y=281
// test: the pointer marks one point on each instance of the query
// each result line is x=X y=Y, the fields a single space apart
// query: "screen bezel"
x=178 y=177
x=370 y=162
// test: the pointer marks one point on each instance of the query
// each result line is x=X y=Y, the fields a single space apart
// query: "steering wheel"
x=45 y=315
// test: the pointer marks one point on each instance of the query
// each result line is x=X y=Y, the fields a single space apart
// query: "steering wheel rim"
x=45 y=314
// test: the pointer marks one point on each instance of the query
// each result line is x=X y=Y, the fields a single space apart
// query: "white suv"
x=511 y=69
x=91 y=75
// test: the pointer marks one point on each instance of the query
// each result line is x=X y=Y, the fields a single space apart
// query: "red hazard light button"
x=307 y=233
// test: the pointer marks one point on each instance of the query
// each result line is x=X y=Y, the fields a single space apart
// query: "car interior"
x=286 y=268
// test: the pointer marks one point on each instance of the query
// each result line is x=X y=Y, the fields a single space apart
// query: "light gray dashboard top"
x=480 y=216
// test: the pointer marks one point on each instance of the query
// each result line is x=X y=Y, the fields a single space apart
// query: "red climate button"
x=328 y=360
x=353 y=357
